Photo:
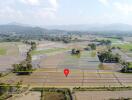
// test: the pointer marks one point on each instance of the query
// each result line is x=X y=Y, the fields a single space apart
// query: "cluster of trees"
x=25 y=67
x=107 y=56
x=127 y=67
x=103 y=42
x=92 y=46
x=75 y=51
x=63 y=38
x=9 y=38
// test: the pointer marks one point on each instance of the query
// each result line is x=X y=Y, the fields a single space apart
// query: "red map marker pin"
x=66 y=72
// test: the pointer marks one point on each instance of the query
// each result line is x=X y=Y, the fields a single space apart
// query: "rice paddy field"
x=52 y=50
x=85 y=71
x=10 y=53
x=8 y=49
x=86 y=60
x=103 y=95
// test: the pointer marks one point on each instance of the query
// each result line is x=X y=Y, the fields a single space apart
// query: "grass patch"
x=113 y=40
x=130 y=66
x=2 y=51
x=93 y=53
x=35 y=52
x=86 y=54
x=125 y=47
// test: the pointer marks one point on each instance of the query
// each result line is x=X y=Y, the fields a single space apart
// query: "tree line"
x=25 y=67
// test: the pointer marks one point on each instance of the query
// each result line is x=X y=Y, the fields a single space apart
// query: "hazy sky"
x=63 y=12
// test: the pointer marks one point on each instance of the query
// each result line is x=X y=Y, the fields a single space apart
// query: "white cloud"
x=34 y=11
x=104 y=2
x=31 y=2
x=123 y=7
x=8 y=13
x=54 y=3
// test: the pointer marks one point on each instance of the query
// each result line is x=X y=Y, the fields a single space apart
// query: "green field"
x=35 y=52
x=125 y=47
x=2 y=51
x=130 y=66
x=113 y=40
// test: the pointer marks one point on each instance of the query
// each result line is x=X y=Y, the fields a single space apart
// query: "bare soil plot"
x=102 y=95
x=54 y=96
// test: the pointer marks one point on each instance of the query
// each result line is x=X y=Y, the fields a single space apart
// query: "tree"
x=33 y=45
x=75 y=51
x=92 y=46
x=107 y=56
x=29 y=57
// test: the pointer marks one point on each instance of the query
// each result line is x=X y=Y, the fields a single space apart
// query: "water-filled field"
x=85 y=60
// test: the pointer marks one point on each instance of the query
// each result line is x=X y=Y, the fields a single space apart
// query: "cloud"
x=8 y=14
x=104 y=2
x=33 y=11
x=123 y=7
x=54 y=3
x=31 y=2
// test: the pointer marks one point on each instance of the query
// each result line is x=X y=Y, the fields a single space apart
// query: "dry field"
x=53 y=96
x=102 y=95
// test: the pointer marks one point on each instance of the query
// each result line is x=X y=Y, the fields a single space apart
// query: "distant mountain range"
x=23 y=29
x=93 y=27
x=26 y=29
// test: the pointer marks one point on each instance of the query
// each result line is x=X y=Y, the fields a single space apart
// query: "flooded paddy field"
x=11 y=53
x=85 y=70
